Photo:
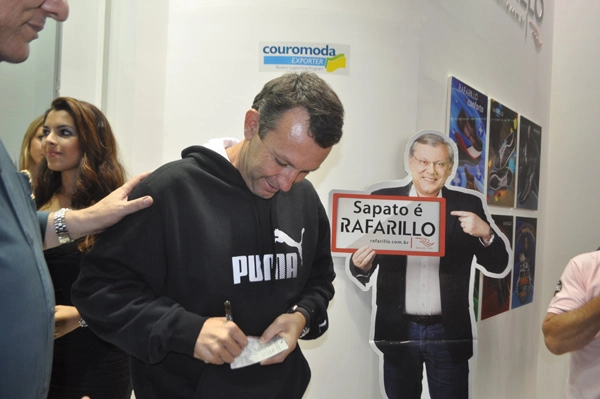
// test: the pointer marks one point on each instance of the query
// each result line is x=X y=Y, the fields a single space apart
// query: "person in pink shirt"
x=572 y=324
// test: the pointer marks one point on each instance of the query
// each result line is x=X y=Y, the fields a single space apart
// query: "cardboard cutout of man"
x=423 y=314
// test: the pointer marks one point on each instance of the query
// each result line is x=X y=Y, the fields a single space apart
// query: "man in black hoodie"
x=231 y=221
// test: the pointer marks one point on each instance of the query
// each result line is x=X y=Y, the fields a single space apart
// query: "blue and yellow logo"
x=303 y=56
x=337 y=62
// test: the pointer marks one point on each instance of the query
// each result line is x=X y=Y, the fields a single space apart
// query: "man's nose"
x=287 y=178
x=56 y=9
x=431 y=168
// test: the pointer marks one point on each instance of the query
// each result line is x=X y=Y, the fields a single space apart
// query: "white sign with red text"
x=388 y=224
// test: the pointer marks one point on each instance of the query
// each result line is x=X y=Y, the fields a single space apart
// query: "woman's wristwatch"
x=60 y=226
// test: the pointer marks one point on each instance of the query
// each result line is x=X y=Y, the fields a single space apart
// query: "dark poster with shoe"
x=495 y=292
x=502 y=155
x=528 y=178
x=524 y=269
x=467 y=126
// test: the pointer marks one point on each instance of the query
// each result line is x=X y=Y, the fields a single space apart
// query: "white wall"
x=27 y=89
x=179 y=72
x=82 y=66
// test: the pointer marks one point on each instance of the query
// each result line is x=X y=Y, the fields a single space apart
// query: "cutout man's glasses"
x=424 y=164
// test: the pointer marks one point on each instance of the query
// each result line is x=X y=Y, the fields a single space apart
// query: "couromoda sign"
x=294 y=56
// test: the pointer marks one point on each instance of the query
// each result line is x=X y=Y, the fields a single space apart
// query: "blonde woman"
x=31 y=148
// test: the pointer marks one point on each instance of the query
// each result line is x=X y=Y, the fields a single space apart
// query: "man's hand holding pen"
x=220 y=339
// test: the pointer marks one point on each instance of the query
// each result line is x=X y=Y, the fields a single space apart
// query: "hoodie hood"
x=215 y=164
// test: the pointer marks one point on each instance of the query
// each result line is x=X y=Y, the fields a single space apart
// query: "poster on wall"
x=467 y=125
x=410 y=291
x=524 y=267
x=528 y=179
x=495 y=292
x=502 y=155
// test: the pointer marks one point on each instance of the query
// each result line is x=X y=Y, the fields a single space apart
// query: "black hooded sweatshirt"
x=152 y=280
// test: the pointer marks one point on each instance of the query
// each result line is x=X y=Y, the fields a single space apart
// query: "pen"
x=228 y=315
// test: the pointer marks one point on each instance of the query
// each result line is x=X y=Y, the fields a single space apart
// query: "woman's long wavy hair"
x=99 y=172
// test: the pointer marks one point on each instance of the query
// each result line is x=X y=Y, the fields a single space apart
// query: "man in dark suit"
x=423 y=314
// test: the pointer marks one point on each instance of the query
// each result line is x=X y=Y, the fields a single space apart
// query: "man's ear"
x=251 y=122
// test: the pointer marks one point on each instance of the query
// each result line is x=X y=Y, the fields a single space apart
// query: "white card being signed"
x=256 y=352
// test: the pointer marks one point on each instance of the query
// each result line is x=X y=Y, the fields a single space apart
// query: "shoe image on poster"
x=500 y=179
x=467 y=140
x=507 y=149
x=529 y=165
x=502 y=155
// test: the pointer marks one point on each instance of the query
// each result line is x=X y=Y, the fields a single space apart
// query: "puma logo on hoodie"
x=281 y=265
